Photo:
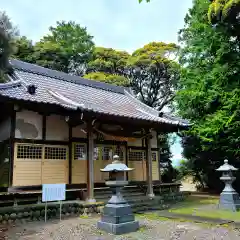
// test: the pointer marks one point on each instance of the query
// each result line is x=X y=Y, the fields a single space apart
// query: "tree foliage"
x=165 y=153
x=150 y=72
x=24 y=49
x=7 y=35
x=154 y=76
x=108 y=78
x=108 y=60
x=224 y=10
x=209 y=93
x=226 y=13
x=108 y=65
x=72 y=42
x=68 y=47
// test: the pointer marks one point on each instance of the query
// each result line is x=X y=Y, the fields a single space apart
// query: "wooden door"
x=55 y=164
x=27 y=165
x=136 y=161
x=79 y=163
x=97 y=163
x=107 y=154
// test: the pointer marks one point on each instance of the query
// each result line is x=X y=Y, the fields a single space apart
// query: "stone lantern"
x=117 y=217
x=229 y=198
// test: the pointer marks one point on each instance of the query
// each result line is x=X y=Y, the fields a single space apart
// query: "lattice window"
x=107 y=153
x=80 y=152
x=154 y=156
x=120 y=152
x=136 y=155
x=96 y=153
x=56 y=153
x=29 y=152
x=144 y=155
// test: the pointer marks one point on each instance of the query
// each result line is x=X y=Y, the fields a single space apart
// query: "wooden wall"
x=31 y=170
x=28 y=125
x=57 y=128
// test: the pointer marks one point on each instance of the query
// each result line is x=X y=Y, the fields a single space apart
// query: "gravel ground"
x=85 y=228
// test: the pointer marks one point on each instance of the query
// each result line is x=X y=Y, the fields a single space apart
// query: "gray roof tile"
x=72 y=91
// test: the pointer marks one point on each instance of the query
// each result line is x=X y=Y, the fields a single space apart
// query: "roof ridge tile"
x=10 y=84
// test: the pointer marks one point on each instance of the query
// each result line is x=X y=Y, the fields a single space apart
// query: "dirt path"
x=188 y=185
x=80 y=229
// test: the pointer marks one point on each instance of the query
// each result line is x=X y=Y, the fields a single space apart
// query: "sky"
x=119 y=24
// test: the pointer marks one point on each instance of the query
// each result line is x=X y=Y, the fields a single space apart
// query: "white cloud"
x=120 y=24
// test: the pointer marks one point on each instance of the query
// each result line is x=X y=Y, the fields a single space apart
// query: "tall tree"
x=108 y=60
x=108 y=65
x=154 y=76
x=7 y=34
x=24 y=49
x=68 y=47
x=209 y=92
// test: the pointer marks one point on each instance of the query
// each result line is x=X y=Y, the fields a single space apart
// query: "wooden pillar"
x=159 y=157
x=11 y=146
x=126 y=158
x=90 y=163
x=149 y=167
x=70 y=155
x=144 y=178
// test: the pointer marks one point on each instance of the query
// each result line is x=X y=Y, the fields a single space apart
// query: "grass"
x=152 y=216
x=204 y=207
x=155 y=216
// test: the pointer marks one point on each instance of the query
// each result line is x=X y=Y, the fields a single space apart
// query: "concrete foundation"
x=120 y=228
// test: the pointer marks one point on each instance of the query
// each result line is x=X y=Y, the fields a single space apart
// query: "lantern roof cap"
x=226 y=167
x=116 y=166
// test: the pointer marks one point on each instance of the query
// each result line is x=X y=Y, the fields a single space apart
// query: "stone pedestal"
x=229 y=201
x=117 y=217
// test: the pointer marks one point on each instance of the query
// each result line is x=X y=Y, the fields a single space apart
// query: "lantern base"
x=117 y=218
x=229 y=201
x=120 y=228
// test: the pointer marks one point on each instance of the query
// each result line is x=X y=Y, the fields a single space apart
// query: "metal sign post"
x=53 y=192
x=60 y=211
x=45 y=211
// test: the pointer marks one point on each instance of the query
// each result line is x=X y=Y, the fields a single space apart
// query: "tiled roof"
x=53 y=87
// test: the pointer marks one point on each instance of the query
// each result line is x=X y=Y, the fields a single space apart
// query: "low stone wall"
x=22 y=214
x=174 y=197
x=36 y=212
x=168 y=188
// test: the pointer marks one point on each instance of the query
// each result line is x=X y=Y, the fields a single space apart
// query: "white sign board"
x=53 y=192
